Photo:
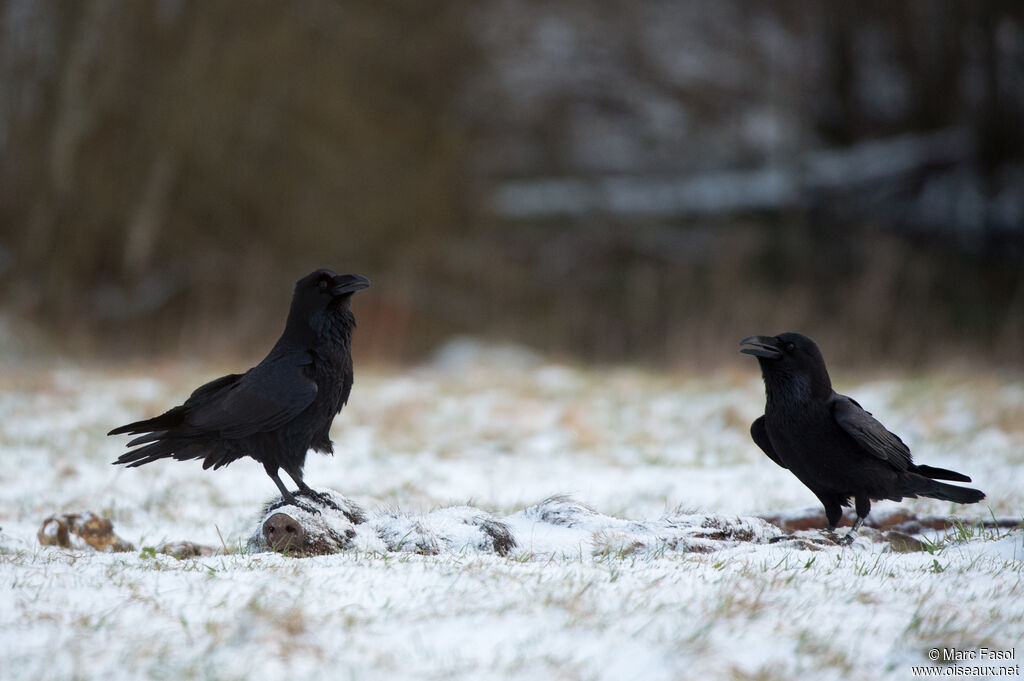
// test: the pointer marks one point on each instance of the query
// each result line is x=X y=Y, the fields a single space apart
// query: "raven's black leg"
x=833 y=513
x=863 y=508
x=287 y=496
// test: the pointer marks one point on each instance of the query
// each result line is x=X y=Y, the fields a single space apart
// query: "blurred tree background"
x=638 y=180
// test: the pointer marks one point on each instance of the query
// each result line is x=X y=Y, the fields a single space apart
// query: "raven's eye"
x=790 y=347
x=323 y=284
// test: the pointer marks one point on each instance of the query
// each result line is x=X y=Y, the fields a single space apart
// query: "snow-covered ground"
x=499 y=429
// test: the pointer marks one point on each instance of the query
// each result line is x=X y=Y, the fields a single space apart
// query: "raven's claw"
x=322 y=498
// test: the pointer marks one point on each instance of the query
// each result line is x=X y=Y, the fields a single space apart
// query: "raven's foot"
x=848 y=538
x=323 y=498
x=290 y=500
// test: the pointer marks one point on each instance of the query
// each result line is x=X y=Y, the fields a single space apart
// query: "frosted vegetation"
x=500 y=430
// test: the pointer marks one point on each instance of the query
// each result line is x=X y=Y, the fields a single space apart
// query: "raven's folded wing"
x=158 y=426
x=759 y=433
x=869 y=433
x=261 y=400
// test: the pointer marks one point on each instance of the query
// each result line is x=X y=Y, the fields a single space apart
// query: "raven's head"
x=325 y=289
x=789 y=357
x=321 y=302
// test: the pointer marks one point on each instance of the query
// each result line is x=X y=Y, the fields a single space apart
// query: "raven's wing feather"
x=869 y=433
x=209 y=390
x=173 y=418
x=759 y=432
x=261 y=400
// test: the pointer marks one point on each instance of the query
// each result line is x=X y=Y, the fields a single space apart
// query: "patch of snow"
x=614 y=582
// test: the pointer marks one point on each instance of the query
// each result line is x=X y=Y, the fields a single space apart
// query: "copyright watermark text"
x=970 y=662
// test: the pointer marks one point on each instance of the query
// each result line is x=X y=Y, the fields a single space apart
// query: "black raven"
x=829 y=442
x=279 y=409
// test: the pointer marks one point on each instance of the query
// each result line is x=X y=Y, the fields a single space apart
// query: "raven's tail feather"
x=220 y=458
x=926 y=487
x=151 y=452
x=148 y=437
x=940 y=473
x=166 y=421
x=163 y=449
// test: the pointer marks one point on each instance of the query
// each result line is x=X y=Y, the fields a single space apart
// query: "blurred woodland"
x=630 y=180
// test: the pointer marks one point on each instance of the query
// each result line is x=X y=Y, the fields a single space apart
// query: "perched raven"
x=829 y=442
x=279 y=409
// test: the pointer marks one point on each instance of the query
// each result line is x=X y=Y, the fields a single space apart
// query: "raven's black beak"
x=349 y=283
x=763 y=346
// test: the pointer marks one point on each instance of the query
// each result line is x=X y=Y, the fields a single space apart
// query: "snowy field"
x=501 y=430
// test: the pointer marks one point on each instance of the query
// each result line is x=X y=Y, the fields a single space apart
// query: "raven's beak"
x=763 y=346
x=349 y=283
